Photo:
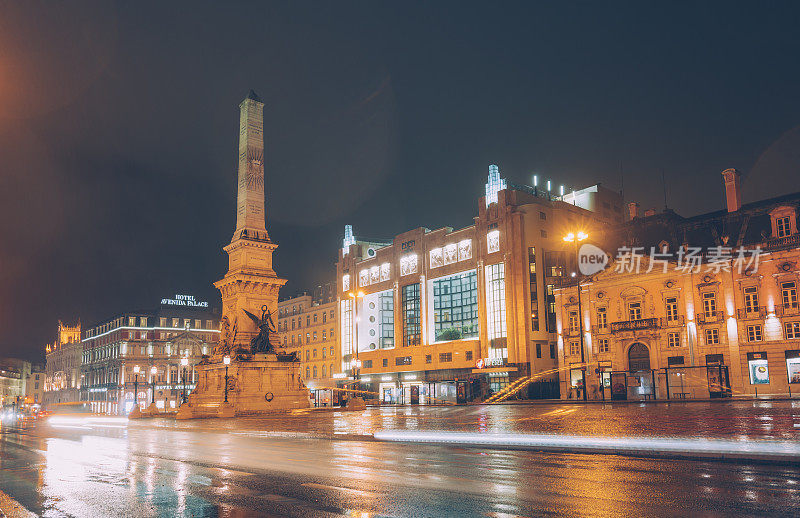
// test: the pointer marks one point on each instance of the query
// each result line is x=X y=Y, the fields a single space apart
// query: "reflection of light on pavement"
x=60 y=421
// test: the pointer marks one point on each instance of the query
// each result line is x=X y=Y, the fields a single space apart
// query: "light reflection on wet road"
x=324 y=464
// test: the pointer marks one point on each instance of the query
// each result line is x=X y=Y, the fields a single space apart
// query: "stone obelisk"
x=252 y=381
x=251 y=282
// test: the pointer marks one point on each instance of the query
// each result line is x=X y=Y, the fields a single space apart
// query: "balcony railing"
x=751 y=313
x=781 y=243
x=633 y=325
x=678 y=321
x=597 y=330
x=710 y=317
x=787 y=309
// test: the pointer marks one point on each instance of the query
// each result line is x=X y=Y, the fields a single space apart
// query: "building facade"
x=14 y=373
x=695 y=307
x=34 y=388
x=456 y=315
x=307 y=326
x=62 y=376
x=180 y=331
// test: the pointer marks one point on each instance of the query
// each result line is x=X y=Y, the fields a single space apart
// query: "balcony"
x=597 y=330
x=751 y=313
x=711 y=317
x=678 y=321
x=781 y=243
x=635 y=325
x=787 y=309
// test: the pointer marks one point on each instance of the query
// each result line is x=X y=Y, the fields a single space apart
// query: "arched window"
x=315 y=371
x=307 y=373
x=323 y=371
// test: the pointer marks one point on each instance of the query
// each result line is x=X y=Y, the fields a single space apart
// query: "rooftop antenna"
x=621 y=182
x=664 y=186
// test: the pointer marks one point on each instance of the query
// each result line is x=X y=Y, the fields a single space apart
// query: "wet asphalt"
x=326 y=463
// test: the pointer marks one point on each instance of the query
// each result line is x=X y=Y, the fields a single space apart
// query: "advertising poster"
x=759 y=372
x=793 y=368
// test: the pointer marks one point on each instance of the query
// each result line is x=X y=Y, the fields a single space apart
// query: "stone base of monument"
x=356 y=403
x=152 y=410
x=260 y=385
x=136 y=413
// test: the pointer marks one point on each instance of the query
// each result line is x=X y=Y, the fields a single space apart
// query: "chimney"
x=649 y=212
x=733 y=196
x=633 y=210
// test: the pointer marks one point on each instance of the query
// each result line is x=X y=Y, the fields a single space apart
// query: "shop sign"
x=758 y=367
x=184 y=300
x=484 y=363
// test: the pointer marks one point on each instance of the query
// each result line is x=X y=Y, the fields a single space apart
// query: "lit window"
x=673 y=340
x=573 y=321
x=494 y=184
x=602 y=317
x=792 y=330
x=754 y=333
x=162 y=322
x=712 y=336
x=782 y=227
x=411 y=314
x=408 y=264
x=493 y=241
x=436 y=258
x=465 y=250
x=455 y=306
x=709 y=304
x=450 y=253
x=789 y=294
x=672 y=309
x=635 y=311
x=495 y=300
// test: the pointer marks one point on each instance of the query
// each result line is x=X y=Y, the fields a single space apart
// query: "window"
x=543 y=233
x=455 y=306
x=534 y=289
x=782 y=227
x=367 y=364
x=324 y=317
x=386 y=362
x=132 y=321
x=574 y=349
x=751 y=299
x=675 y=360
x=542 y=216
x=315 y=318
x=410 y=308
x=386 y=301
x=345 y=283
x=538 y=350
x=673 y=339
x=209 y=324
x=308 y=355
x=428 y=358
x=709 y=304
x=445 y=357
x=324 y=334
x=162 y=322
x=495 y=301
x=602 y=317
x=315 y=371
x=402 y=360
x=315 y=336
x=602 y=345
x=789 y=294
x=634 y=311
x=323 y=371
x=331 y=350
x=468 y=355
x=792 y=329
x=308 y=373
x=672 y=309
x=324 y=353
x=347 y=326
x=552 y=350
x=754 y=333
x=573 y=321
x=712 y=336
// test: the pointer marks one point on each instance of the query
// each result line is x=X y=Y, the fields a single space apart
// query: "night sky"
x=118 y=128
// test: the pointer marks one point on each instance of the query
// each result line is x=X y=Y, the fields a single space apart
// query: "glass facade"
x=411 y=316
x=387 y=319
x=455 y=306
x=495 y=301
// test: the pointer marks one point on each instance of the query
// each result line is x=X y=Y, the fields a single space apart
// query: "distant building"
x=730 y=326
x=34 y=387
x=307 y=325
x=456 y=315
x=13 y=374
x=62 y=374
x=181 y=327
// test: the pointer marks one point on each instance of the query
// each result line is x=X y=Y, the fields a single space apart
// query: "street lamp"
x=136 y=385
x=153 y=372
x=577 y=237
x=227 y=361
x=184 y=363
x=356 y=364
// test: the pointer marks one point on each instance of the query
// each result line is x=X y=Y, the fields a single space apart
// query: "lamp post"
x=356 y=364
x=227 y=361
x=577 y=238
x=184 y=363
x=136 y=386
x=153 y=372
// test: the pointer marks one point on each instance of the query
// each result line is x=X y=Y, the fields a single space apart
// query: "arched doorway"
x=638 y=358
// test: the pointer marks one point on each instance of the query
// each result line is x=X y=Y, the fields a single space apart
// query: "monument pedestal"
x=261 y=385
x=136 y=413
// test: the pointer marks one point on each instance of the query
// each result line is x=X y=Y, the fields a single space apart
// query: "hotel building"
x=454 y=315
x=182 y=330
x=671 y=327
x=307 y=325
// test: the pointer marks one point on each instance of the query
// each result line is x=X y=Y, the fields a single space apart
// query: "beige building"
x=63 y=366
x=455 y=315
x=34 y=387
x=705 y=317
x=307 y=326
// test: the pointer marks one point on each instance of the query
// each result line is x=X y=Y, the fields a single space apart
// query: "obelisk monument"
x=257 y=377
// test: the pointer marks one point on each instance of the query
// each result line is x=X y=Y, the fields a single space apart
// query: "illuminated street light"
x=153 y=372
x=577 y=237
x=184 y=363
x=227 y=361
x=136 y=385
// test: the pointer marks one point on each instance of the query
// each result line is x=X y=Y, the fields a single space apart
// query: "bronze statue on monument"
x=260 y=343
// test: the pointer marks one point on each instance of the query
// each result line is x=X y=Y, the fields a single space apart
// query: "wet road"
x=327 y=464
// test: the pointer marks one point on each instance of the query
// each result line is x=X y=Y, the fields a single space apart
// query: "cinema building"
x=139 y=357
x=307 y=325
x=669 y=327
x=455 y=315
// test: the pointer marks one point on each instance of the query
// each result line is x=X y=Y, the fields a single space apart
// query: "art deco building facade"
x=730 y=326
x=307 y=326
x=62 y=376
x=454 y=315
x=181 y=328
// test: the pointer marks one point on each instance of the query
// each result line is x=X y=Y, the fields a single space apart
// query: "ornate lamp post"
x=153 y=372
x=227 y=361
x=577 y=238
x=184 y=363
x=136 y=386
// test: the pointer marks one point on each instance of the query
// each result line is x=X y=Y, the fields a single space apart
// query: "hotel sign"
x=184 y=300
x=633 y=325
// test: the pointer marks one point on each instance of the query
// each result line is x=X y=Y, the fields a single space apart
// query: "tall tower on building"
x=251 y=282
